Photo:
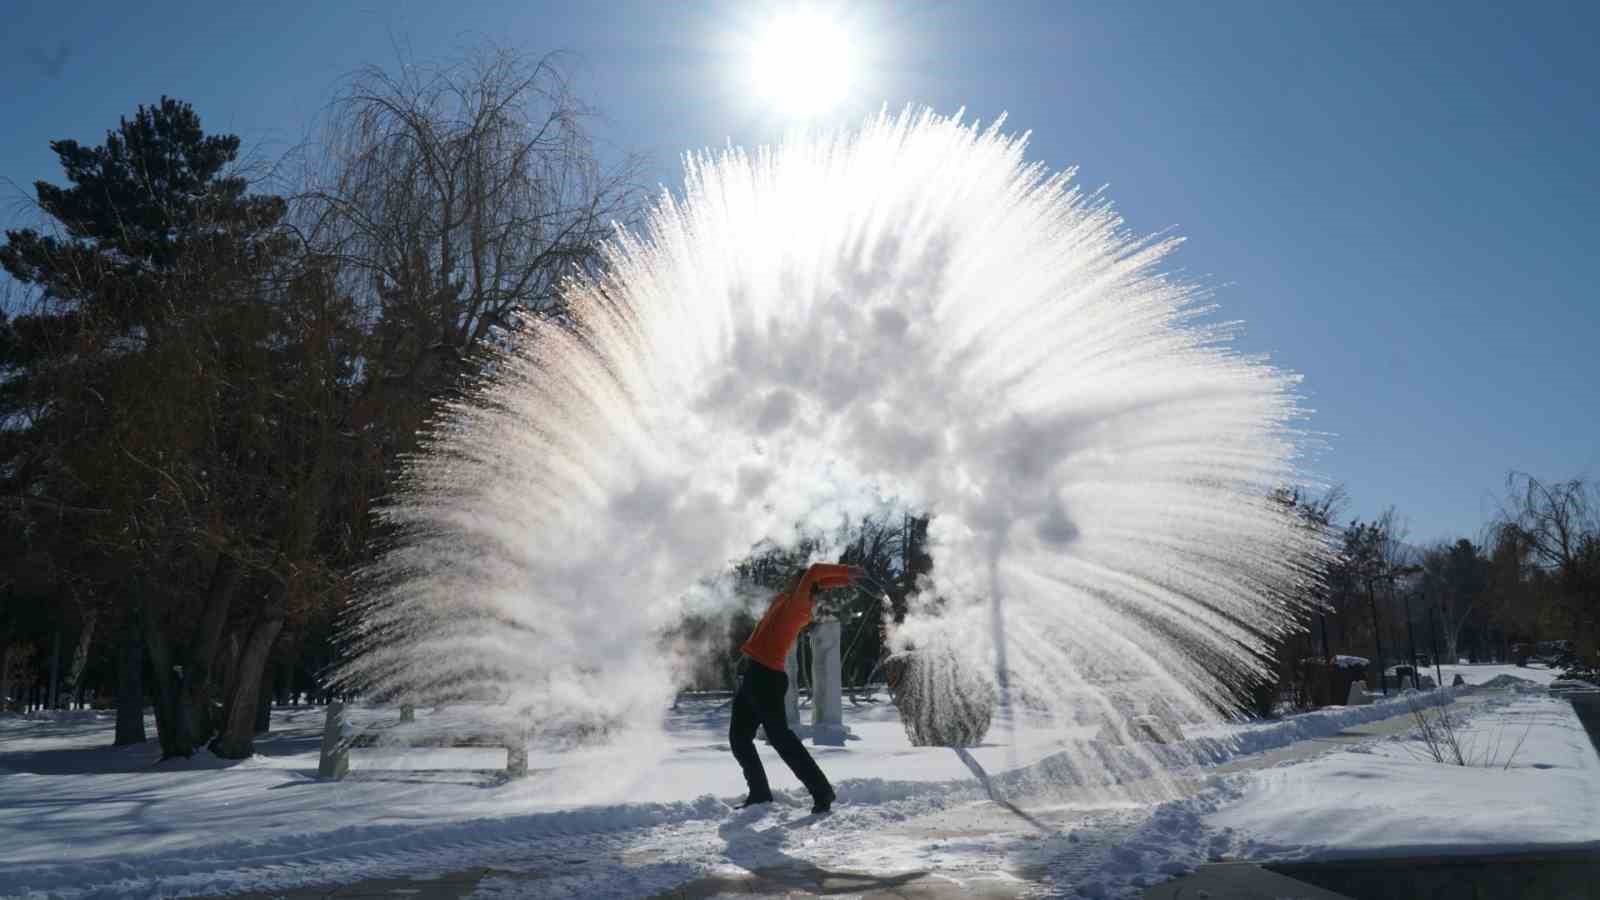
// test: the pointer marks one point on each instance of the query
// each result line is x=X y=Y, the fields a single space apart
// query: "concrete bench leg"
x=517 y=758
x=335 y=762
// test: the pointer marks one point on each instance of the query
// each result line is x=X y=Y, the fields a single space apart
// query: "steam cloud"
x=907 y=316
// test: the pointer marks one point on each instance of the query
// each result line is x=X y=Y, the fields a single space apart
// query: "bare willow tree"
x=454 y=194
x=1551 y=530
x=1558 y=522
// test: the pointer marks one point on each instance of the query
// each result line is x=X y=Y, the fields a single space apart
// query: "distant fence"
x=853 y=692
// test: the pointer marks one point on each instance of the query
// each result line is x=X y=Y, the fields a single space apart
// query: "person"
x=759 y=700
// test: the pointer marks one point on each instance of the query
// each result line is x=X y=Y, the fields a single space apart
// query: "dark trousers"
x=759 y=703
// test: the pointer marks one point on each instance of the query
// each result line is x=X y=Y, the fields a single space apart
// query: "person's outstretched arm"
x=825 y=576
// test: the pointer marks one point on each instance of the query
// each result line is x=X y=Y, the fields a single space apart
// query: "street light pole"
x=1432 y=646
x=1411 y=634
x=1411 y=638
x=1377 y=637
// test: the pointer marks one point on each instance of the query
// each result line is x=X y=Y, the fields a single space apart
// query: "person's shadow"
x=760 y=852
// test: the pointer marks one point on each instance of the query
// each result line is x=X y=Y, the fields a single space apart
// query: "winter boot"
x=823 y=802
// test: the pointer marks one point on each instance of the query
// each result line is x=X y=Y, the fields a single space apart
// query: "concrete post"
x=55 y=673
x=827 y=685
x=791 y=697
x=335 y=750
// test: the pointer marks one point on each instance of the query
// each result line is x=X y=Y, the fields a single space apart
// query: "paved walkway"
x=789 y=882
x=1587 y=705
x=815 y=882
x=1238 y=881
x=1555 y=874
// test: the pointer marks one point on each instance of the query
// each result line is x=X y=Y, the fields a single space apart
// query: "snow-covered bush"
x=942 y=700
x=1582 y=673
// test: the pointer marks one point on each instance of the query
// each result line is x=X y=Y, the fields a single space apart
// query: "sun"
x=802 y=64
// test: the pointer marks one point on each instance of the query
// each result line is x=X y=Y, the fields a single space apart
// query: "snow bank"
x=1217 y=744
x=1513 y=683
x=1485 y=672
x=1388 y=798
x=1381 y=798
x=1125 y=767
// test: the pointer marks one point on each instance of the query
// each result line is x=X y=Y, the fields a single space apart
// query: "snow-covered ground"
x=79 y=819
x=1532 y=779
x=1537 y=673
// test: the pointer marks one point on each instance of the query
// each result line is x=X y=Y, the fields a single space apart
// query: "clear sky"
x=1399 y=201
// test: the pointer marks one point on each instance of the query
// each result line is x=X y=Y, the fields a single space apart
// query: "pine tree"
x=134 y=383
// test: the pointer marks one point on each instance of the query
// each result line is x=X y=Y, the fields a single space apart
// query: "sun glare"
x=802 y=64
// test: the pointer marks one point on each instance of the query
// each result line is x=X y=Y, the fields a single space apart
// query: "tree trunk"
x=200 y=679
x=264 y=702
x=172 y=714
x=227 y=667
x=5 y=676
x=80 y=656
x=55 y=671
x=238 y=728
x=130 y=689
x=280 y=685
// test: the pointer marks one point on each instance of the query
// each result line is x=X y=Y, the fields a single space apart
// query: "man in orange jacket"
x=759 y=701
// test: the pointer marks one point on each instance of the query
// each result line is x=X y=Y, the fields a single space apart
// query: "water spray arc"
x=909 y=316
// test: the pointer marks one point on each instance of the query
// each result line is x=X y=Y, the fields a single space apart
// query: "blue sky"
x=1398 y=200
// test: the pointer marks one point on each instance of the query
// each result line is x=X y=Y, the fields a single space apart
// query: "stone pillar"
x=827 y=685
x=335 y=749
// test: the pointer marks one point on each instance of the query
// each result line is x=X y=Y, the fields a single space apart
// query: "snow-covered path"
x=82 y=820
x=78 y=819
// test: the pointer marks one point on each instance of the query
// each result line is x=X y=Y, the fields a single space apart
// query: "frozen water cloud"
x=910 y=315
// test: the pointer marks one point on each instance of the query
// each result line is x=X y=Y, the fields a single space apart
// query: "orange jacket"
x=791 y=611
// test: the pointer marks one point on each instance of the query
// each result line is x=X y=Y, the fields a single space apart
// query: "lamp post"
x=1411 y=635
